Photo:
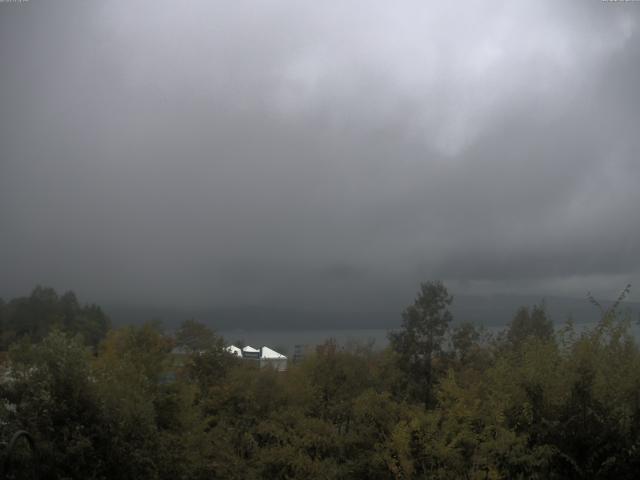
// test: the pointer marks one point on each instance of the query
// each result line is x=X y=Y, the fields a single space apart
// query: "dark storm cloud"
x=314 y=154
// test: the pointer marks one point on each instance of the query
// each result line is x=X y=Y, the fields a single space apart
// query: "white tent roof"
x=250 y=349
x=233 y=350
x=268 y=353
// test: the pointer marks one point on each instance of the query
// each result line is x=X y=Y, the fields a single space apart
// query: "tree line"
x=445 y=400
x=34 y=316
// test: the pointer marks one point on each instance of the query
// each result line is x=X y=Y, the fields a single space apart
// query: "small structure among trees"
x=265 y=356
x=273 y=359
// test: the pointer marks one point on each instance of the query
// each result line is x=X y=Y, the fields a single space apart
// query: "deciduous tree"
x=424 y=324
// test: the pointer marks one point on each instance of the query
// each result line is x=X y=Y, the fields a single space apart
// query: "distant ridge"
x=494 y=310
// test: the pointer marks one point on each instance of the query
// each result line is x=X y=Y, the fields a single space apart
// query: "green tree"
x=145 y=346
x=465 y=340
x=529 y=323
x=424 y=325
x=54 y=399
x=33 y=317
x=208 y=361
x=196 y=336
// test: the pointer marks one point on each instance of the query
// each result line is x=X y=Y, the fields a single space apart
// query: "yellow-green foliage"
x=516 y=407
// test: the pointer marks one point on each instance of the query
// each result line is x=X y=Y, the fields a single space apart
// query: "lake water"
x=284 y=341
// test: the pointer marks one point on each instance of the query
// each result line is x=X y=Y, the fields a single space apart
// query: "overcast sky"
x=318 y=153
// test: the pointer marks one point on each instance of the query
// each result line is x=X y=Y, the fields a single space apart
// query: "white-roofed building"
x=273 y=359
x=265 y=356
x=250 y=352
x=233 y=350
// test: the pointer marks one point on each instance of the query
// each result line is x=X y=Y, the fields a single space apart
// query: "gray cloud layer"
x=318 y=153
